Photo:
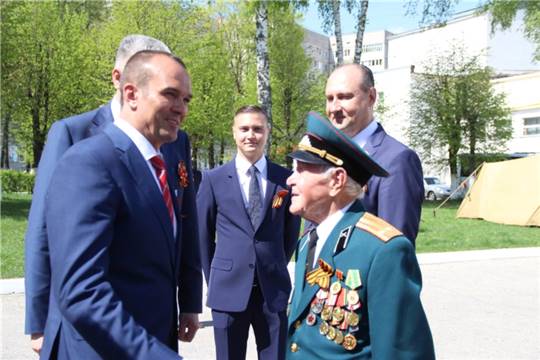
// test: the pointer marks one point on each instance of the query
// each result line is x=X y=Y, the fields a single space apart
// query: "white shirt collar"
x=327 y=225
x=325 y=228
x=242 y=165
x=362 y=137
x=146 y=149
x=115 y=109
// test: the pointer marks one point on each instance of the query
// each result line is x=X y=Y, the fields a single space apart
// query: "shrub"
x=14 y=181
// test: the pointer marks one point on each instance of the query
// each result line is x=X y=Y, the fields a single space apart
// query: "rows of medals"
x=336 y=306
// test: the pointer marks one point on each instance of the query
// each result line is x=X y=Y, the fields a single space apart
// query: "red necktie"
x=159 y=166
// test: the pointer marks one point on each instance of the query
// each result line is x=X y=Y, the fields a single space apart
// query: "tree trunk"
x=37 y=144
x=264 y=92
x=4 y=163
x=211 y=155
x=221 y=150
x=337 y=31
x=195 y=157
x=361 y=26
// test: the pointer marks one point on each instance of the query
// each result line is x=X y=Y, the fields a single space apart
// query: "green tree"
x=48 y=69
x=454 y=109
x=296 y=91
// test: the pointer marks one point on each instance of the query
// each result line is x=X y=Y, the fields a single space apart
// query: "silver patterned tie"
x=254 y=201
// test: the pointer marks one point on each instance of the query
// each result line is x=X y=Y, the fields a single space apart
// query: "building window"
x=531 y=126
x=347 y=52
x=372 y=47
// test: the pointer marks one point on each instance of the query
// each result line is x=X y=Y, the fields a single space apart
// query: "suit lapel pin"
x=183 y=174
x=278 y=198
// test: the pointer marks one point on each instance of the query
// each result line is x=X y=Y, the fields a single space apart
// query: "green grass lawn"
x=14 y=213
x=444 y=232
x=440 y=233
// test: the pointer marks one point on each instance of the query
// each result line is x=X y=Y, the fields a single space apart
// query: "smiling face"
x=349 y=106
x=250 y=132
x=160 y=101
x=311 y=193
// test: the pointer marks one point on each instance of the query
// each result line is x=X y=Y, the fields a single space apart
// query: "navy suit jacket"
x=240 y=252
x=115 y=262
x=398 y=197
x=62 y=135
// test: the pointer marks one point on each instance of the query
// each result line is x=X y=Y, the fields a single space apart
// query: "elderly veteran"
x=357 y=279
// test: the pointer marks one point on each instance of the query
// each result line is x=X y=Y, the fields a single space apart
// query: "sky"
x=382 y=15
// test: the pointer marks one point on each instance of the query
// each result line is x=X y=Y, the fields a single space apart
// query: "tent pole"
x=457 y=188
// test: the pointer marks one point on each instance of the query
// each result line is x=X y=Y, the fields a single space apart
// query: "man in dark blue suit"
x=114 y=227
x=350 y=97
x=62 y=135
x=247 y=237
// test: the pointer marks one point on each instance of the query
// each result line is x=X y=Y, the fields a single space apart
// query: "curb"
x=16 y=286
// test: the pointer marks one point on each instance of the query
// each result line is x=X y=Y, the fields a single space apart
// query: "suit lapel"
x=375 y=140
x=271 y=185
x=299 y=276
x=327 y=254
x=138 y=168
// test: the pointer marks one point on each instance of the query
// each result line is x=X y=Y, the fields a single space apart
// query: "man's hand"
x=36 y=342
x=189 y=324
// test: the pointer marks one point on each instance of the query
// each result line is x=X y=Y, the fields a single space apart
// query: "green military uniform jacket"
x=383 y=320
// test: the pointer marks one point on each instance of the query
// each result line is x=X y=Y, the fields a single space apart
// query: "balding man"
x=357 y=280
x=62 y=135
x=114 y=226
x=350 y=97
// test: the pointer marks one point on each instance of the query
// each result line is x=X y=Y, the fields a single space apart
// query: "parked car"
x=434 y=189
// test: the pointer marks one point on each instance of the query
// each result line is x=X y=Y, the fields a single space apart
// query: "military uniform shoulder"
x=377 y=227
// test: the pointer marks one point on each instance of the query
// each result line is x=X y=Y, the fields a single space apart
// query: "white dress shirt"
x=147 y=150
x=242 y=170
x=362 y=137
x=325 y=228
x=115 y=109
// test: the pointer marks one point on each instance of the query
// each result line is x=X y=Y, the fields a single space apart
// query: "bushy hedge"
x=16 y=181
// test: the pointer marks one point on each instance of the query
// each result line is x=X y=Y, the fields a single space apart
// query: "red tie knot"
x=158 y=163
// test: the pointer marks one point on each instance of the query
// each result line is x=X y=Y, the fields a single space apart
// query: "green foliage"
x=455 y=109
x=504 y=12
x=16 y=181
x=57 y=58
x=48 y=68
x=295 y=90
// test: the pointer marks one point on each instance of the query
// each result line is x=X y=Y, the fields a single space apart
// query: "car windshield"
x=433 y=181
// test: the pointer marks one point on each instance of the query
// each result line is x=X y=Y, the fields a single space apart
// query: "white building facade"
x=394 y=57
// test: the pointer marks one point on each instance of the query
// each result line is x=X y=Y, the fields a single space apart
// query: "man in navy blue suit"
x=350 y=96
x=62 y=135
x=247 y=237
x=114 y=224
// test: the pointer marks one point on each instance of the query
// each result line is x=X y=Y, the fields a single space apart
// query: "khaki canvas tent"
x=506 y=192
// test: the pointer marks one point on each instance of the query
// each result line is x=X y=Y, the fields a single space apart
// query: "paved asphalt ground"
x=480 y=304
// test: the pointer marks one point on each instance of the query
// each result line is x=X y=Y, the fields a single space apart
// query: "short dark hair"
x=136 y=72
x=251 y=109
